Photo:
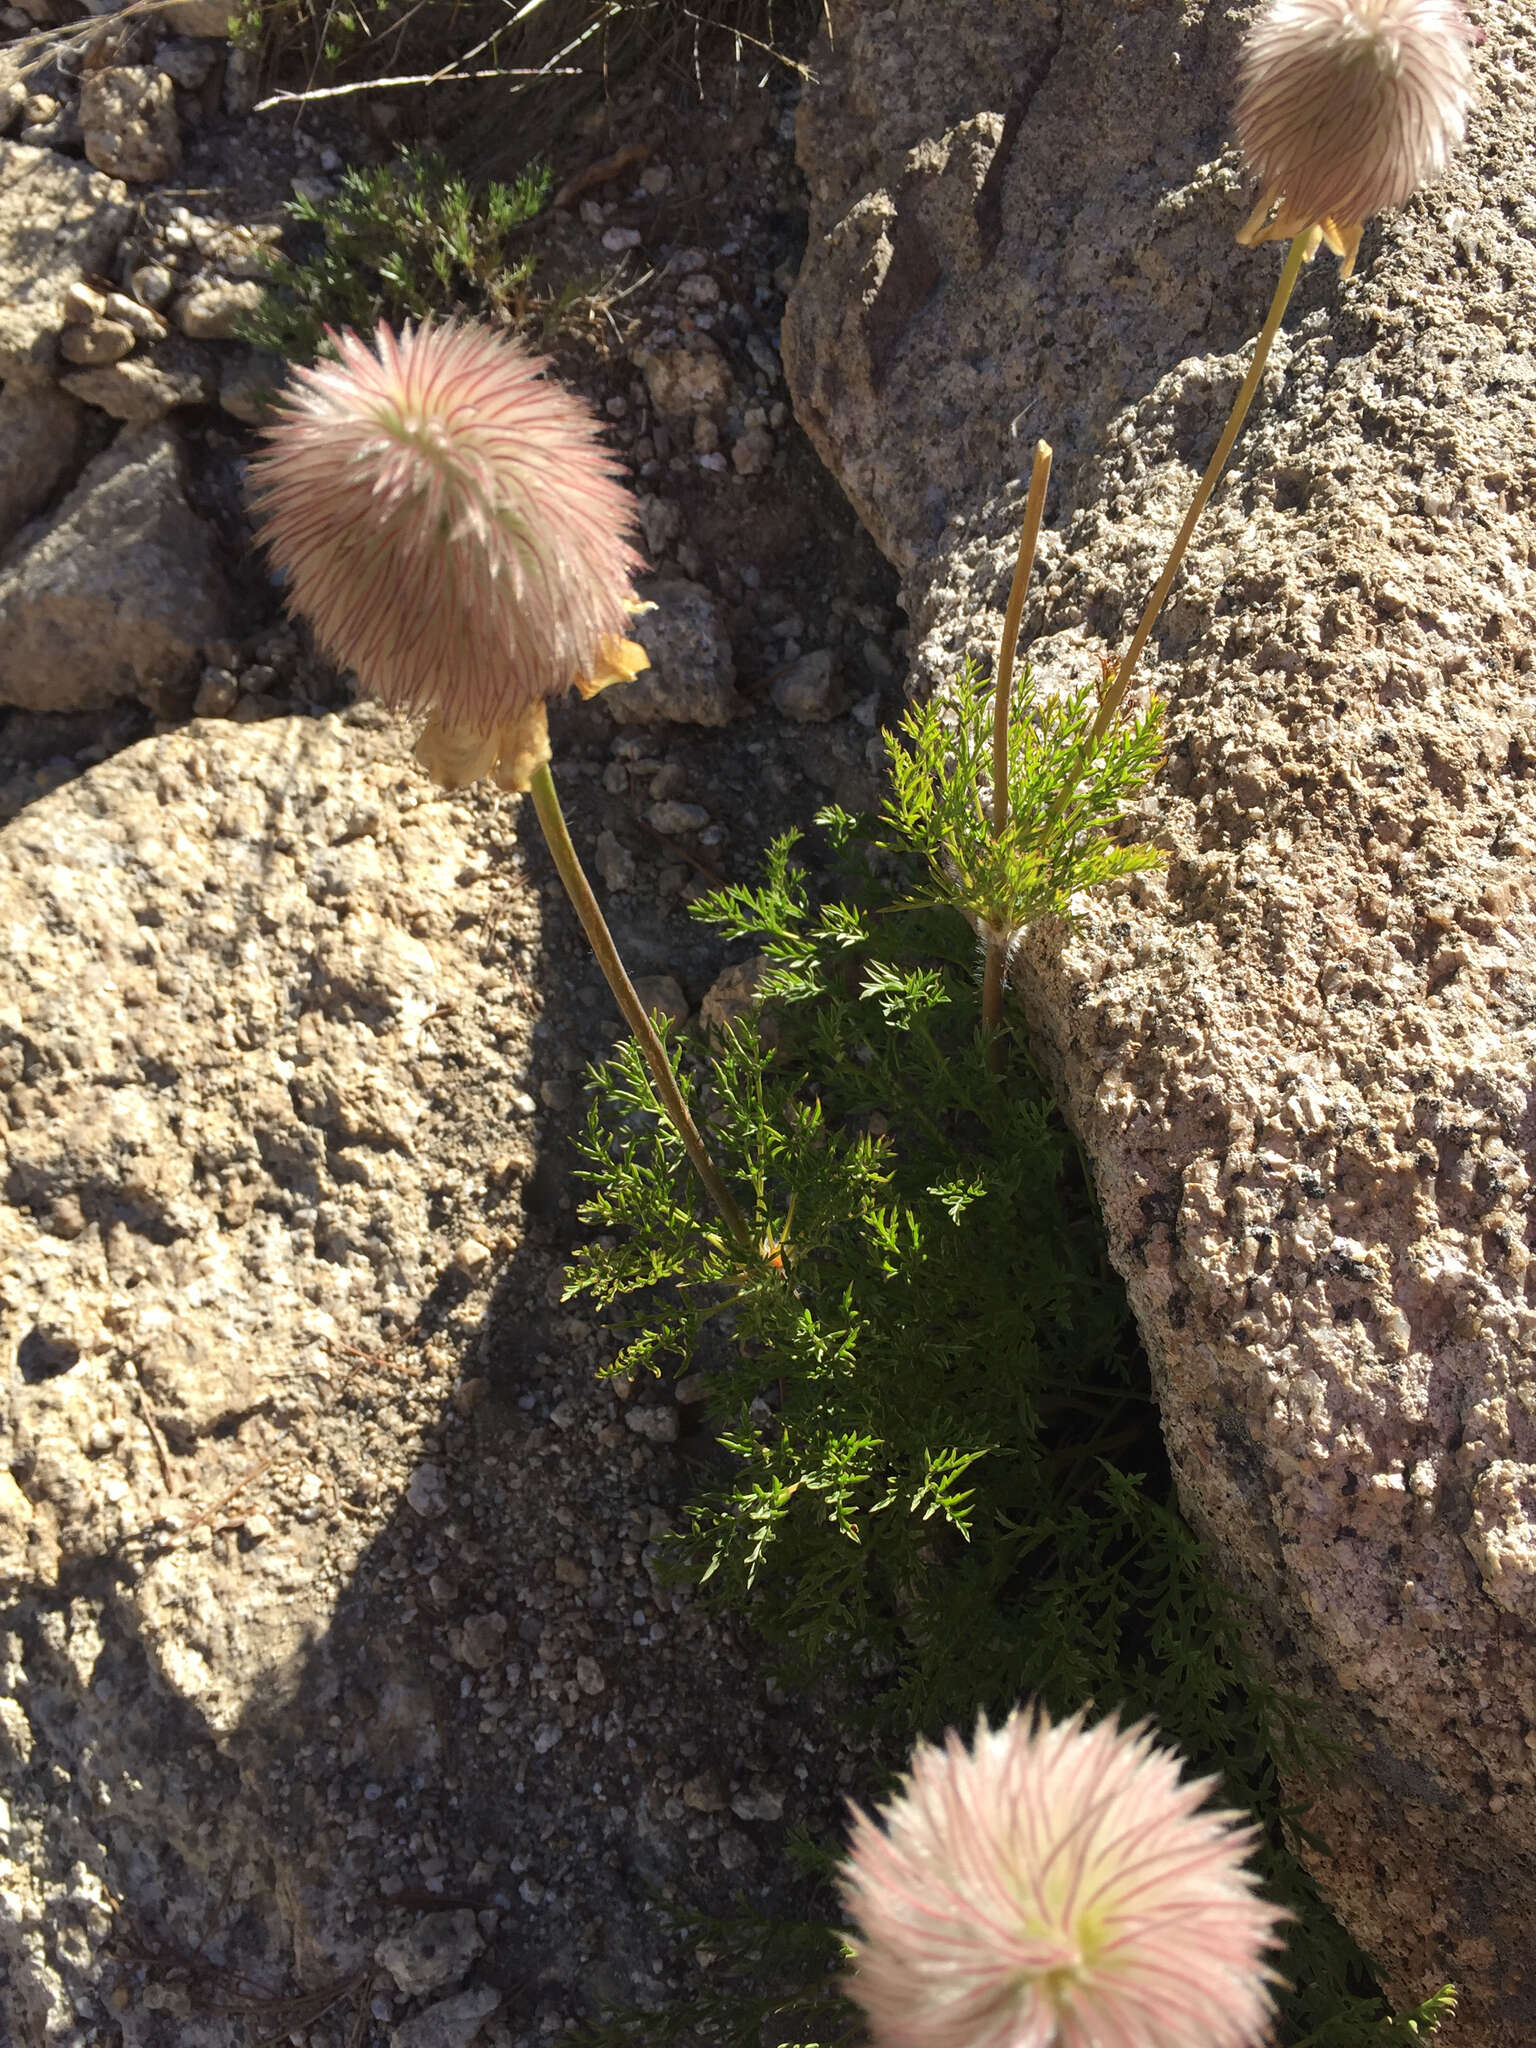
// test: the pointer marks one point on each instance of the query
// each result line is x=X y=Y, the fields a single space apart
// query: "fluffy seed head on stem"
x=1347 y=107
x=453 y=530
x=1056 y=1887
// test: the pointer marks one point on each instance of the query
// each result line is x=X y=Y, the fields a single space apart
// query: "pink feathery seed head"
x=1347 y=107
x=1057 y=1887
x=449 y=523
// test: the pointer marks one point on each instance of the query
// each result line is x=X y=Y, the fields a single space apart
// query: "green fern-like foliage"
x=1068 y=786
x=401 y=241
x=940 y=1479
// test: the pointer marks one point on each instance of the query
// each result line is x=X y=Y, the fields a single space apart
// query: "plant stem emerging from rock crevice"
x=1301 y=248
x=997 y=942
x=547 y=804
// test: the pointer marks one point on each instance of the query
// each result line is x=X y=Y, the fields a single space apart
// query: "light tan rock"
x=117 y=597
x=198 y=17
x=57 y=219
x=663 y=996
x=732 y=997
x=83 y=304
x=1302 y=1061
x=13 y=91
x=146 y=388
x=682 y=384
x=96 y=341
x=128 y=119
x=214 y=308
x=153 y=284
x=140 y=320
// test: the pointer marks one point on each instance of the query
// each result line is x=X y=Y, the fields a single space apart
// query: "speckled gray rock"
x=116 y=597
x=451 y=2022
x=692 y=677
x=57 y=219
x=1302 y=1062
x=434 y=1954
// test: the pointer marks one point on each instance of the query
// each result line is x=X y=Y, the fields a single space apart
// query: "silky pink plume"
x=454 y=532
x=1056 y=1887
x=1349 y=106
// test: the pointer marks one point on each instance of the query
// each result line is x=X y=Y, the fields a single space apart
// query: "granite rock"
x=40 y=444
x=57 y=219
x=214 y=307
x=144 y=388
x=231 y=1123
x=116 y=597
x=1301 y=1061
x=692 y=677
x=128 y=120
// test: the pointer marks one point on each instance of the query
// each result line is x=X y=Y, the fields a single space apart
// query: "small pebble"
x=673 y=819
x=662 y=995
x=100 y=341
x=82 y=304
x=139 y=320
x=616 y=240
x=656 y=1425
x=433 y=1954
x=152 y=283
x=752 y=452
x=427 y=1492
x=214 y=307
x=805 y=691
x=217 y=694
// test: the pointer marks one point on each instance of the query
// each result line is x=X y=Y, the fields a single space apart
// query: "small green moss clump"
x=406 y=240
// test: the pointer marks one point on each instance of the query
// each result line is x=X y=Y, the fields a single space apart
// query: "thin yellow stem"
x=1002 y=704
x=547 y=804
x=1301 y=248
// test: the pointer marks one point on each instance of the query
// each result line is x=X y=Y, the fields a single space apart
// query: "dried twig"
x=600 y=173
x=162 y=1450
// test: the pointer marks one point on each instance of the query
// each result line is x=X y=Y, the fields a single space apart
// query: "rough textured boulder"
x=330 y=1625
x=118 y=595
x=40 y=439
x=57 y=220
x=1302 y=1061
